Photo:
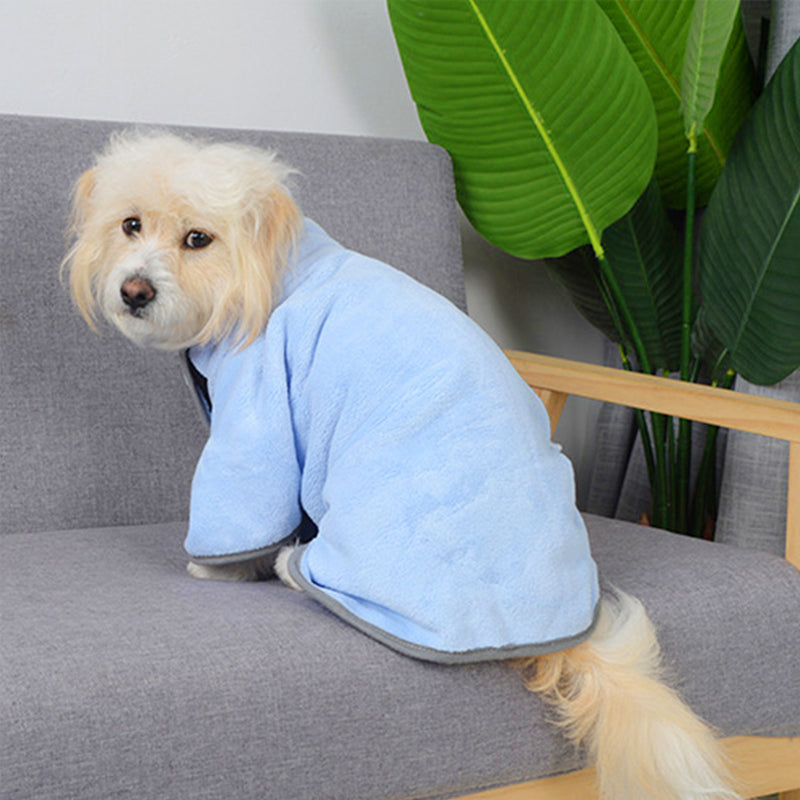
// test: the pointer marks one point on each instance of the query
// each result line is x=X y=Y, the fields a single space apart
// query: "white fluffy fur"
x=608 y=693
x=282 y=567
x=253 y=569
x=610 y=698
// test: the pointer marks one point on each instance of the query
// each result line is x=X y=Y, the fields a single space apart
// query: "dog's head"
x=179 y=242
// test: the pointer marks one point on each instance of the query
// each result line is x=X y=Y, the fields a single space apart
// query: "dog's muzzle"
x=137 y=293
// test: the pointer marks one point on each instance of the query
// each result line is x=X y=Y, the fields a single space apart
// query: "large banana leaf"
x=656 y=32
x=712 y=22
x=749 y=249
x=549 y=123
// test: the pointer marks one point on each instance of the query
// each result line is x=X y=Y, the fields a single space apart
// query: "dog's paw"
x=282 y=568
x=240 y=571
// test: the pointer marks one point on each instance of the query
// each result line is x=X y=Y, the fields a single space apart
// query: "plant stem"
x=644 y=431
x=661 y=495
x=705 y=491
x=688 y=258
x=684 y=466
x=661 y=504
x=624 y=312
x=673 y=510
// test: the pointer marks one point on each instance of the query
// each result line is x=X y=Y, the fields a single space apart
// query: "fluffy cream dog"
x=181 y=243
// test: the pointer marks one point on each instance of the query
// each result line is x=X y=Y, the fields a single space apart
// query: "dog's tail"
x=644 y=740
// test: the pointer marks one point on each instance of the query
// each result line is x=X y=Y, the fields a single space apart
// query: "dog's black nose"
x=137 y=293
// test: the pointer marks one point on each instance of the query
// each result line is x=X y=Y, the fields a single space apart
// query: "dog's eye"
x=196 y=240
x=131 y=226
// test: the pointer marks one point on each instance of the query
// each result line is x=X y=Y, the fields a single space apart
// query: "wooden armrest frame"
x=555 y=378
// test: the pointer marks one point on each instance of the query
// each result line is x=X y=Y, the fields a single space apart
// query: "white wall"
x=328 y=66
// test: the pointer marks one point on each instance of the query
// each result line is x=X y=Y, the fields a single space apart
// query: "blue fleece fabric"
x=447 y=519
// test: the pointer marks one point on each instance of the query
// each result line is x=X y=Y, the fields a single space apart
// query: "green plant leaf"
x=645 y=256
x=549 y=123
x=709 y=349
x=709 y=32
x=655 y=32
x=749 y=246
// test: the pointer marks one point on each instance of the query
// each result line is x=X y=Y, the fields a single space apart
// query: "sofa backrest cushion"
x=96 y=432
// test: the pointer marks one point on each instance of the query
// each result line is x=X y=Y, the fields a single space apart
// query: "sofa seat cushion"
x=122 y=676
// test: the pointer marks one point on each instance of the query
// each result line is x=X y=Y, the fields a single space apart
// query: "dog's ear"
x=260 y=249
x=84 y=187
x=83 y=256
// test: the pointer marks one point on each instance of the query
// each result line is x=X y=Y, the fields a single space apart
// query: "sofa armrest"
x=555 y=378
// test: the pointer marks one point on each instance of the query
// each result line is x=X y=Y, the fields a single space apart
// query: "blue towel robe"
x=446 y=518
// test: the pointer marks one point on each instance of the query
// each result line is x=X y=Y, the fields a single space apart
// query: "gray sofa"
x=123 y=677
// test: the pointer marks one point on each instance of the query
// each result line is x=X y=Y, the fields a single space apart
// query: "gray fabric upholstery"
x=615 y=488
x=752 y=503
x=784 y=31
x=132 y=679
x=101 y=433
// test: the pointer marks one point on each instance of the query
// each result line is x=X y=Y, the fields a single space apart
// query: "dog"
x=183 y=244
